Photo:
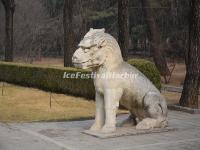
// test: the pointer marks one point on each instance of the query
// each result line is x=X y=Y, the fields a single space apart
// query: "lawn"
x=21 y=104
x=172 y=97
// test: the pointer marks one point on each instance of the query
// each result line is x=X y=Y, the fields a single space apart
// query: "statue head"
x=94 y=49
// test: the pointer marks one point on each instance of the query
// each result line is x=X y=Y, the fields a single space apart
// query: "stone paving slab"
x=126 y=132
x=69 y=136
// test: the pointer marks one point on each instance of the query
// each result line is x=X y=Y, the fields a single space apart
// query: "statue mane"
x=96 y=36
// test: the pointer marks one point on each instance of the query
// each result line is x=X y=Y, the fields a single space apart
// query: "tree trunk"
x=174 y=12
x=9 y=6
x=123 y=25
x=155 y=39
x=189 y=97
x=68 y=32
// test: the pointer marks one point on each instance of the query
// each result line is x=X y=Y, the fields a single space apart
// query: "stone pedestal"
x=122 y=131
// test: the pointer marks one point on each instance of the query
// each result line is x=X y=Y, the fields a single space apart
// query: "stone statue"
x=101 y=52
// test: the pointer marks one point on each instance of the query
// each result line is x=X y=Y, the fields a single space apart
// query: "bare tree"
x=174 y=11
x=34 y=36
x=9 y=6
x=68 y=32
x=155 y=40
x=191 y=86
x=123 y=25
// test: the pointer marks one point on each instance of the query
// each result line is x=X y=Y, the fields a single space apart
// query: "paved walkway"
x=67 y=135
x=172 y=88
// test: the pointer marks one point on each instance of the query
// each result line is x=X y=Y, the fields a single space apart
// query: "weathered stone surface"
x=118 y=82
x=69 y=136
x=125 y=131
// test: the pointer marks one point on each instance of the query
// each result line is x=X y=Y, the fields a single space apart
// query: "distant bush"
x=51 y=78
x=46 y=78
x=148 y=69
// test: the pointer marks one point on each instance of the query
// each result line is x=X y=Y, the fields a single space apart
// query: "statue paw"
x=143 y=126
x=108 y=129
x=146 y=124
x=95 y=127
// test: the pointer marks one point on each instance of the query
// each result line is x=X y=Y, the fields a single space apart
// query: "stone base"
x=184 y=109
x=122 y=131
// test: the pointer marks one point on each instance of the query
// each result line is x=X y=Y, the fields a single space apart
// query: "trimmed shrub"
x=148 y=69
x=51 y=78
x=46 y=78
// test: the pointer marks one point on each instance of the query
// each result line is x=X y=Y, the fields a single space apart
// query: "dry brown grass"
x=178 y=75
x=172 y=97
x=22 y=104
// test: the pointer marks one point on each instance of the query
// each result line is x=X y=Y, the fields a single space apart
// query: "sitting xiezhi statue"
x=100 y=52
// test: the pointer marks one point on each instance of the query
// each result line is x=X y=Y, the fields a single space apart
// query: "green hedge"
x=148 y=69
x=51 y=79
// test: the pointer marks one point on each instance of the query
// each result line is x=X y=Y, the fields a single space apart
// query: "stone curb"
x=171 y=88
x=184 y=109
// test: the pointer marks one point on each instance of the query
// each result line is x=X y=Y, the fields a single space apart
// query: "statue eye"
x=100 y=47
x=86 y=50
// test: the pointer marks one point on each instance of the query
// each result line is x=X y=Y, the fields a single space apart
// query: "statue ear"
x=91 y=29
x=101 y=43
x=103 y=29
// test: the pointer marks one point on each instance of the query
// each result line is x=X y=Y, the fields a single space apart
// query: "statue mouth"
x=79 y=63
x=82 y=65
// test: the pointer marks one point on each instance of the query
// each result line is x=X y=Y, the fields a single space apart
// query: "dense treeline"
x=38 y=29
x=158 y=28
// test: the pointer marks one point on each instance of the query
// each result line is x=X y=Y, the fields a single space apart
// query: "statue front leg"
x=111 y=99
x=100 y=113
